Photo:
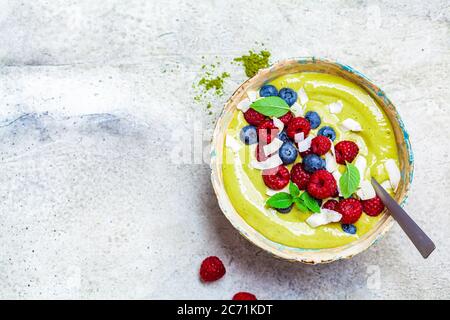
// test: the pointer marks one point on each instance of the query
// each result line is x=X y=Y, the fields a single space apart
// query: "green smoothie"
x=247 y=191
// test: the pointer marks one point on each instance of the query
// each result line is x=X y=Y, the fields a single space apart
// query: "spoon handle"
x=422 y=242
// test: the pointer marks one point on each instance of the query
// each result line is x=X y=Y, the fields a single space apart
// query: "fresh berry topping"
x=373 y=207
x=322 y=185
x=285 y=210
x=288 y=95
x=299 y=176
x=312 y=162
x=349 y=228
x=313 y=118
x=266 y=132
x=305 y=153
x=253 y=117
x=268 y=90
x=351 y=210
x=244 y=296
x=260 y=155
x=287 y=117
x=249 y=135
x=330 y=205
x=276 y=178
x=327 y=132
x=320 y=145
x=212 y=269
x=297 y=125
x=288 y=153
x=283 y=136
x=346 y=151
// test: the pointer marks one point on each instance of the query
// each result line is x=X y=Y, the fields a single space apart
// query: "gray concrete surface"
x=95 y=202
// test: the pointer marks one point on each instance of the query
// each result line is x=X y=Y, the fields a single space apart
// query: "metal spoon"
x=422 y=242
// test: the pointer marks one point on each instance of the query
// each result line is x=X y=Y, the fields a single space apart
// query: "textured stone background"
x=92 y=202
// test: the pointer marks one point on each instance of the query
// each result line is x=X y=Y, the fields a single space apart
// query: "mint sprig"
x=271 y=106
x=303 y=201
x=349 y=181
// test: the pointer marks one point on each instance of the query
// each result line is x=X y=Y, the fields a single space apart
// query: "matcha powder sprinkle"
x=214 y=83
x=253 y=62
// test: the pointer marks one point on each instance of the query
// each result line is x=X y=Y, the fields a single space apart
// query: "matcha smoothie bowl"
x=293 y=154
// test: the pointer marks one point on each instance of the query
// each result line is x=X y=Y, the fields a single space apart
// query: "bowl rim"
x=308 y=256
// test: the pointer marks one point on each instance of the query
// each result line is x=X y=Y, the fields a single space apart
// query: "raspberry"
x=320 y=145
x=212 y=269
x=373 y=207
x=244 y=296
x=276 y=178
x=305 y=153
x=297 y=125
x=346 y=151
x=253 y=117
x=287 y=117
x=330 y=205
x=322 y=185
x=351 y=210
x=267 y=131
x=299 y=176
x=260 y=155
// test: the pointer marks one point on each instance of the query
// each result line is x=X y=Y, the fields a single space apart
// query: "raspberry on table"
x=299 y=176
x=330 y=205
x=346 y=151
x=322 y=185
x=320 y=145
x=212 y=269
x=244 y=296
x=297 y=125
x=276 y=178
x=373 y=207
x=351 y=209
x=253 y=117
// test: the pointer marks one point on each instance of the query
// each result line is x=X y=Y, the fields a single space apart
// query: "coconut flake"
x=325 y=216
x=299 y=137
x=352 y=125
x=366 y=190
x=336 y=107
x=271 y=192
x=244 y=105
x=270 y=163
x=393 y=173
x=330 y=162
x=361 y=164
x=305 y=144
x=337 y=176
x=278 y=123
x=297 y=110
x=386 y=185
x=232 y=143
x=272 y=147
x=302 y=96
x=252 y=95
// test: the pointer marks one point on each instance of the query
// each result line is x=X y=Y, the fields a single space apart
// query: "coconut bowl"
x=310 y=256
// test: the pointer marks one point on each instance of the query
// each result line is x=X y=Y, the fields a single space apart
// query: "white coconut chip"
x=252 y=95
x=337 y=176
x=244 y=105
x=272 y=162
x=366 y=190
x=278 y=123
x=305 y=144
x=393 y=173
x=271 y=192
x=386 y=185
x=232 y=143
x=299 y=137
x=330 y=162
x=272 y=147
x=361 y=164
x=336 y=107
x=351 y=125
x=303 y=97
x=297 y=110
x=325 y=216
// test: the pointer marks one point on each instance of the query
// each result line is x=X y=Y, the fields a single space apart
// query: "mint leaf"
x=349 y=181
x=293 y=189
x=271 y=106
x=280 y=200
x=300 y=205
x=310 y=202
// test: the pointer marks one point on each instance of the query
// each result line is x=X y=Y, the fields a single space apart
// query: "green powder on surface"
x=253 y=62
x=216 y=83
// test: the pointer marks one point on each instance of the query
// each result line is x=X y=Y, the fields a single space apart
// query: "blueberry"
x=249 y=135
x=268 y=90
x=349 y=228
x=312 y=163
x=327 y=132
x=288 y=95
x=283 y=136
x=288 y=153
x=313 y=118
x=285 y=210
